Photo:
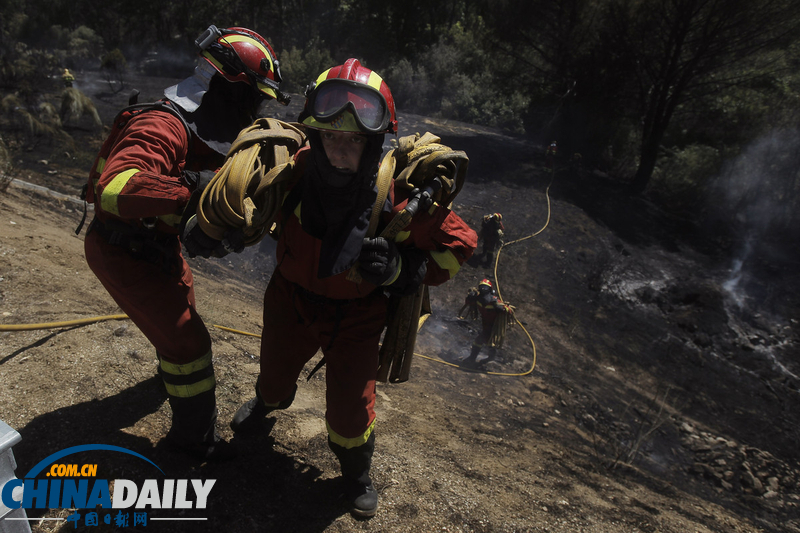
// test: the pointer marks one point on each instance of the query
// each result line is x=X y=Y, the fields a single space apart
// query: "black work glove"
x=197 y=242
x=234 y=240
x=382 y=263
x=425 y=199
x=198 y=180
x=379 y=260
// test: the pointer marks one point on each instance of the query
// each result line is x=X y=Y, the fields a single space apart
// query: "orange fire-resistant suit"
x=132 y=245
x=303 y=313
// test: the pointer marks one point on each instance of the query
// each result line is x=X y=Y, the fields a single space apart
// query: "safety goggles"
x=332 y=97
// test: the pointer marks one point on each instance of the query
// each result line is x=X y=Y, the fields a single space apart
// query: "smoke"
x=756 y=197
x=760 y=184
x=731 y=286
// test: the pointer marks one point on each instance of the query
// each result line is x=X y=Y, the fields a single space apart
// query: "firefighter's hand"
x=197 y=242
x=198 y=181
x=425 y=199
x=234 y=240
x=379 y=261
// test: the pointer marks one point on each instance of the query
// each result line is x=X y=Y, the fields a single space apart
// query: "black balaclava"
x=226 y=108
x=339 y=216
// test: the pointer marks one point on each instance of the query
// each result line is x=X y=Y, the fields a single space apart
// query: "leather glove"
x=379 y=261
x=198 y=180
x=197 y=242
x=234 y=240
x=401 y=270
x=425 y=199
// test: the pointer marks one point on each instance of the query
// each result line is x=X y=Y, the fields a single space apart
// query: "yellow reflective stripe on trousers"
x=184 y=387
x=447 y=261
x=187 y=391
x=188 y=368
x=110 y=196
x=350 y=443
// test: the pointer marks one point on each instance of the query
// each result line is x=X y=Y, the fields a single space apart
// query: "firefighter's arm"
x=142 y=175
x=447 y=240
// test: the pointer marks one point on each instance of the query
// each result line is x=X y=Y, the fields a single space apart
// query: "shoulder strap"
x=161 y=105
x=384 y=180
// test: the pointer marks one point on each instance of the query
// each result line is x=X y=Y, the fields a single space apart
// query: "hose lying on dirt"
x=66 y=323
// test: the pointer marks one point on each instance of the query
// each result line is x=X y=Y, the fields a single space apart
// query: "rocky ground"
x=650 y=385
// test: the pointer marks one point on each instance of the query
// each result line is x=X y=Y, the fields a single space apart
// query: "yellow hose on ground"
x=66 y=323
x=91 y=320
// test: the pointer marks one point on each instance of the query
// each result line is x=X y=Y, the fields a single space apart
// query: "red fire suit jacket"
x=447 y=239
x=140 y=178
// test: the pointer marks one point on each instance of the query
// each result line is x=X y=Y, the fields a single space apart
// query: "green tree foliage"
x=114 y=66
x=301 y=67
x=682 y=49
x=641 y=88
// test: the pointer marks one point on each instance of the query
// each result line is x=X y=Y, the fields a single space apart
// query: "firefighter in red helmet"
x=310 y=303
x=156 y=156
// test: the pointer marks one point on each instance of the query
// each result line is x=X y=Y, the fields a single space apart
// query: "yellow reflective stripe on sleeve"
x=101 y=164
x=110 y=196
x=171 y=220
x=401 y=236
x=188 y=368
x=447 y=261
x=193 y=389
x=350 y=443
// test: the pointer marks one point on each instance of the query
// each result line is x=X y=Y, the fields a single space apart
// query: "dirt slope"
x=655 y=405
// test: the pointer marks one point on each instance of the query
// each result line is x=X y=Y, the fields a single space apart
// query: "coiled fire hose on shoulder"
x=248 y=190
x=435 y=170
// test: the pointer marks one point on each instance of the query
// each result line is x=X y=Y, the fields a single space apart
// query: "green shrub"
x=681 y=175
x=301 y=67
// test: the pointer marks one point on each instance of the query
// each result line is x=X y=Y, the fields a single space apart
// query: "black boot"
x=492 y=354
x=193 y=430
x=472 y=360
x=360 y=493
x=253 y=411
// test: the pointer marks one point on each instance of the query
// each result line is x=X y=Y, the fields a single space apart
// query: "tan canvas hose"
x=247 y=192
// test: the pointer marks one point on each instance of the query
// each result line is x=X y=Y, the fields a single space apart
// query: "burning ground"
x=664 y=395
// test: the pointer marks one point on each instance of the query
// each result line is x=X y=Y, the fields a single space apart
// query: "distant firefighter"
x=470 y=305
x=495 y=318
x=67 y=78
x=492 y=235
x=550 y=155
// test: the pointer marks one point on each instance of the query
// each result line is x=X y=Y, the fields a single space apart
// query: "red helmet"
x=350 y=98
x=239 y=54
x=485 y=283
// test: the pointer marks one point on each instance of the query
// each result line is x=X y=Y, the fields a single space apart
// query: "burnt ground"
x=651 y=384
